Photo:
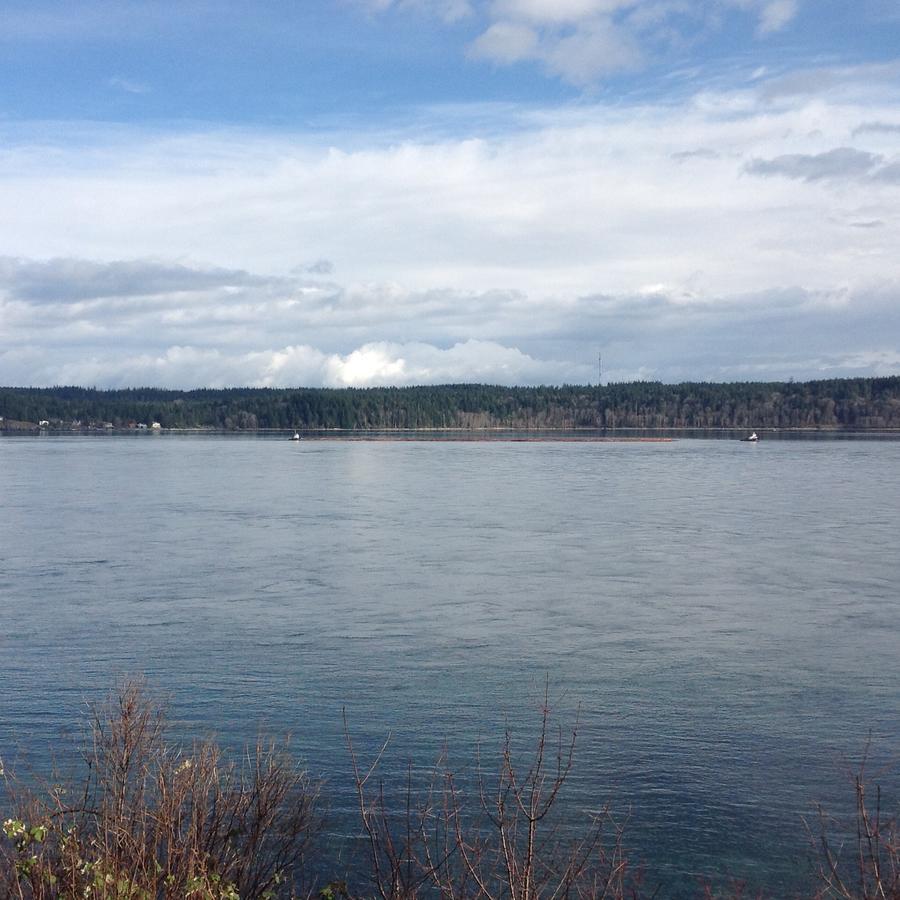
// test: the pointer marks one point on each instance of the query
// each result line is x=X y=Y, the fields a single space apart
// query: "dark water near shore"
x=726 y=614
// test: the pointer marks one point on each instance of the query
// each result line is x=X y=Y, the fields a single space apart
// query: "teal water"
x=725 y=614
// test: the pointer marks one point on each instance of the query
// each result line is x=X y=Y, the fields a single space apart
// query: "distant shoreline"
x=649 y=409
x=455 y=435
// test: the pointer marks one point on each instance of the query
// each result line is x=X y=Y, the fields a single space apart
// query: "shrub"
x=503 y=842
x=867 y=866
x=151 y=820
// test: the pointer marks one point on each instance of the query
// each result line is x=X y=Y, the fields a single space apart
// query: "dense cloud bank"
x=136 y=322
x=747 y=231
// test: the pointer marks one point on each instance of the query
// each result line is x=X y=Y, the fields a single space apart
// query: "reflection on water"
x=726 y=614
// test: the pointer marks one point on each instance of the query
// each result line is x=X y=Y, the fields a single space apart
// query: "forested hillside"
x=857 y=403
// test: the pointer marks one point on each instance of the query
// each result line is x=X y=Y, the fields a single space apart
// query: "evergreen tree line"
x=853 y=403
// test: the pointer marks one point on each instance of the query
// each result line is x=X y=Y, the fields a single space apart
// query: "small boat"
x=753 y=438
x=296 y=436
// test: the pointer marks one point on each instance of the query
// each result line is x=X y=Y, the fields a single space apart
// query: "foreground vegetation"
x=151 y=819
x=853 y=403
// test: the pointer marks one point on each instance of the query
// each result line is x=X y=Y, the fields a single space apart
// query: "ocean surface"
x=726 y=616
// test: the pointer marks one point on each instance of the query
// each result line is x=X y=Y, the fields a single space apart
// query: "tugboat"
x=753 y=438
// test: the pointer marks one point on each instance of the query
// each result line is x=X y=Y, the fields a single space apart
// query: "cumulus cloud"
x=582 y=41
x=594 y=48
x=578 y=40
x=371 y=365
x=419 y=363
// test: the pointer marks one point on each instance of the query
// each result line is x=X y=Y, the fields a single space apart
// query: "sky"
x=389 y=192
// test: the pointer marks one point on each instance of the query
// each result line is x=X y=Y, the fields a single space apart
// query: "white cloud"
x=550 y=203
x=253 y=258
x=595 y=49
x=772 y=15
x=582 y=41
x=371 y=365
x=578 y=40
x=128 y=85
x=776 y=14
x=557 y=11
x=420 y=363
x=201 y=331
x=507 y=42
x=448 y=10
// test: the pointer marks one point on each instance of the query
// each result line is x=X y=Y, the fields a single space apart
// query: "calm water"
x=726 y=614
